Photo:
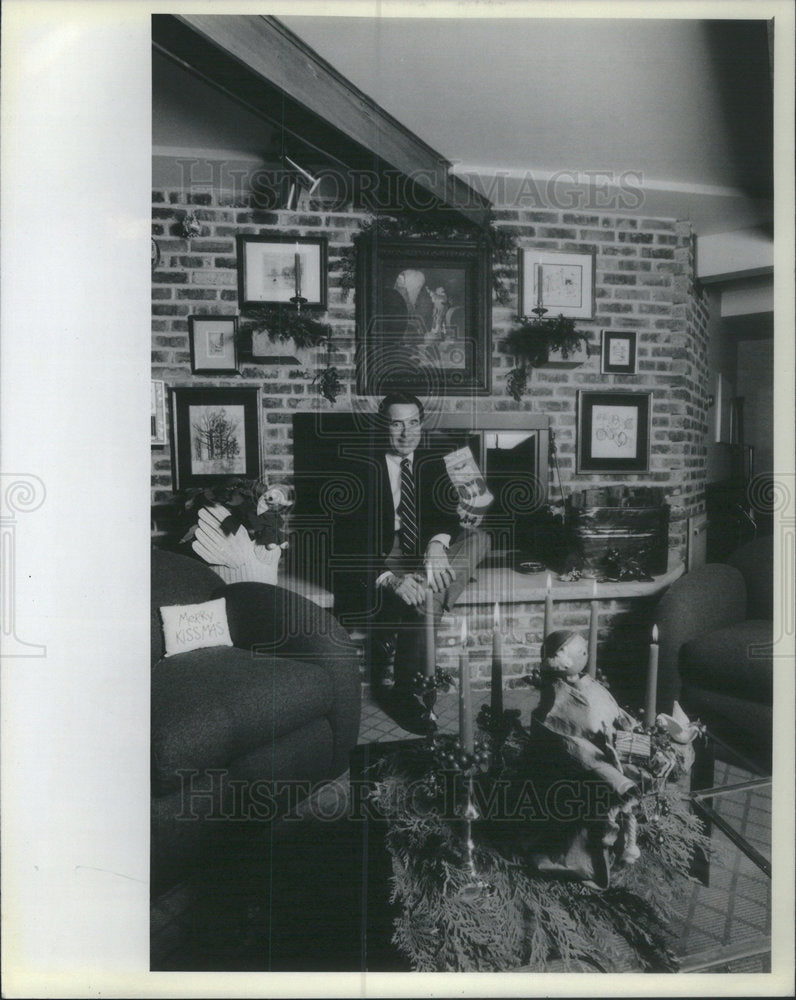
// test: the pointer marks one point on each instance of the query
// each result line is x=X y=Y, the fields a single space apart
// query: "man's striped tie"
x=407 y=511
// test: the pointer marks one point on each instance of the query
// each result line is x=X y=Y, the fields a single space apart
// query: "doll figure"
x=572 y=732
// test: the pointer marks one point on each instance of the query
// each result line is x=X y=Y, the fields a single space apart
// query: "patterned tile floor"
x=733 y=913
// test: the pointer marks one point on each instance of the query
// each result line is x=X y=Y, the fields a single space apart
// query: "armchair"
x=281 y=704
x=716 y=632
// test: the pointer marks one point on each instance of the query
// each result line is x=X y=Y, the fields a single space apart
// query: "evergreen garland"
x=524 y=920
x=430 y=227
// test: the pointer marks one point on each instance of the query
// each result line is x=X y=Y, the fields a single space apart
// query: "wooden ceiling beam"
x=253 y=55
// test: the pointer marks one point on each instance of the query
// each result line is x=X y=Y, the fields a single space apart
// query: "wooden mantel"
x=509 y=587
x=255 y=58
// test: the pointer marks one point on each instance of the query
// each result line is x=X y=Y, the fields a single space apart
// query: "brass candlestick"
x=475 y=887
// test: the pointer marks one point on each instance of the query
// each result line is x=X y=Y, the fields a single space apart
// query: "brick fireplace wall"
x=644 y=282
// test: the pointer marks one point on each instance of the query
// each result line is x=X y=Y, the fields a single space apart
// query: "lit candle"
x=431 y=651
x=465 y=697
x=297 y=267
x=497 y=665
x=652 y=678
x=592 y=668
x=548 y=607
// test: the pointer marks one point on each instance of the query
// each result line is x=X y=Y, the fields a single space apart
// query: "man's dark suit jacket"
x=363 y=535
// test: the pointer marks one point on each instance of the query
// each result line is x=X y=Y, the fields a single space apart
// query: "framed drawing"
x=158 y=417
x=279 y=270
x=214 y=345
x=561 y=283
x=215 y=435
x=618 y=353
x=423 y=317
x=613 y=431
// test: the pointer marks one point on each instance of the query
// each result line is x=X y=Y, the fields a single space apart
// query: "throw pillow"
x=195 y=626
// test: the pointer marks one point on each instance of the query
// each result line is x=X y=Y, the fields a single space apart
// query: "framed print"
x=214 y=345
x=158 y=417
x=613 y=431
x=561 y=283
x=423 y=317
x=215 y=435
x=618 y=353
x=279 y=270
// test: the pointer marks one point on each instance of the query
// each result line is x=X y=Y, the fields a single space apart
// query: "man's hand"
x=436 y=561
x=409 y=588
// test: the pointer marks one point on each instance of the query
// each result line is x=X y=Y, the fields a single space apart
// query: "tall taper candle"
x=297 y=275
x=592 y=667
x=497 y=665
x=548 y=607
x=652 y=679
x=465 y=696
x=431 y=647
x=538 y=286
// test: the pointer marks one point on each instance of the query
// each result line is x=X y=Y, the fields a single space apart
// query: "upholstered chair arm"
x=273 y=621
x=702 y=601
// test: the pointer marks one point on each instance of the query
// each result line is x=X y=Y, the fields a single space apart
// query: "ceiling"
x=679 y=108
x=667 y=118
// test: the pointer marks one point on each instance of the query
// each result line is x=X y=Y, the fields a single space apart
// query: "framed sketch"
x=613 y=431
x=561 y=283
x=215 y=435
x=214 y=345
x=281 y=270
x=618 y=353
x=423 y=317
x=158 y=416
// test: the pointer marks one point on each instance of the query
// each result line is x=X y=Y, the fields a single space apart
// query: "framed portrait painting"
x=423 y=317
x=613 y=431
x=618 y=353
x=214 y=345
x=560 y=283
x=215 y=435
x=281 y=270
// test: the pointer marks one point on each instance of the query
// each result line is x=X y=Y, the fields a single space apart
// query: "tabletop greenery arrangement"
x=518 y=919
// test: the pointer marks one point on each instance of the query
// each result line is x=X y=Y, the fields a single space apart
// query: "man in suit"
x=412 y=538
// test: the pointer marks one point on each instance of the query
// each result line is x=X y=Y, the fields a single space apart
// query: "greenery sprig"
x=305 y=327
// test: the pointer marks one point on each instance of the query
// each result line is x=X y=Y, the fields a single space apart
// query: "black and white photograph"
x=443 y=634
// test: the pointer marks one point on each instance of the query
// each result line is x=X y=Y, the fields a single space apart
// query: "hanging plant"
x=532 y=342
x=326 y=380
x=428 y=227
x=305 y=326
